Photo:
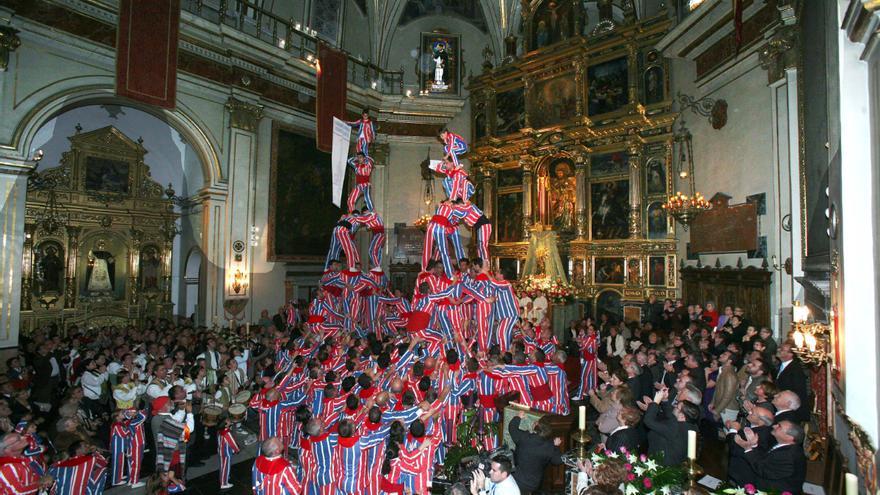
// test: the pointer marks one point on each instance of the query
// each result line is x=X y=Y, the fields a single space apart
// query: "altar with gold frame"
x=98 y=237
x=576 y=136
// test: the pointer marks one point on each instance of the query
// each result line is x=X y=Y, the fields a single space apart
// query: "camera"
x=468 y=465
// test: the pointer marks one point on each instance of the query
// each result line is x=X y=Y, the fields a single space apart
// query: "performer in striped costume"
x=365 y=133
x=272 y=474
x=589 y=346
x=321 y=445
x=477 y=221
x=504 y=310
x=83 y=473
x=436 y=237
x=453 y=146
x=363 y=168
x=120 y=439
x=226 y=448
x=136 y=444
x=373 y=221
x=342 y=240
x=350 y=454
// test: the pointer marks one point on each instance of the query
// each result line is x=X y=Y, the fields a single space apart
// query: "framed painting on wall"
x=301 y=211
x=657 y=270
x=609 y=164
x=439 y=64
x=609 y=209
x=553 y=100
x=509 y=267
x=509 y=218
x=608 y=86
x=106 y=175
x=510 y=111
x=608 y=271
x=655 y=177
x=657 y=221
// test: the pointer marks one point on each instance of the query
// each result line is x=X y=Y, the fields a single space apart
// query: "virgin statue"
x=100 y=270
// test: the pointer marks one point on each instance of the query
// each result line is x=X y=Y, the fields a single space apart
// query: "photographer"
x=500 y=481
x=534 y=451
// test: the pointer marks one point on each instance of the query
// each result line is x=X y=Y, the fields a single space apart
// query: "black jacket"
x=792 y=416
x=738 y=470
x=783 y=469
x=667 y=435
x=627 y=437
x=532 y=455
x=794 y=378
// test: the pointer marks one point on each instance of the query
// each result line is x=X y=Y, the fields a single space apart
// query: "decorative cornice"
x=9 y=41
x=243 y=115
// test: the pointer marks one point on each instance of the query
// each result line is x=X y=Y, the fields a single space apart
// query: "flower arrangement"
x=648 y=476
x=556 y=290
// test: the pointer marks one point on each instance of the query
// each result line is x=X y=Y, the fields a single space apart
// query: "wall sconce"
x=239 y=282
x=810 y=337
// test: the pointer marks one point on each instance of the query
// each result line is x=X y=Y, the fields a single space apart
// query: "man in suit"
x=534 y=452
x=791 y=376
x=783 y=467
x=760 y=420
x=626 y=435
x=669 y=434
x=787 y=405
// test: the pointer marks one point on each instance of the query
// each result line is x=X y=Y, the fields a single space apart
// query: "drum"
x=242 y=397
x=237 y=412
x=211 y=415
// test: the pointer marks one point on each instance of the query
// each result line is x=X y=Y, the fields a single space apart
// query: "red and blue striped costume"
x=120 y=439
x=488 y=388
x=363 y=167
x=321 y=448
x=558 y=382
x=442 y=224
x=136 y=443
x=462 y=386
x=17 y=477
x=537 y=393
x=342 y=240
x=373 y=456
x=350 y=462
x=226 y=448
x=365 y=134
x=332 y=284
x=477 y=221
x=454 y=145
x=80 y=475
x=457 y=184
x=274 y=476
x=373 y=221
x=483 y=310
x=505 y=311
x=450 y=316
x=270 y=414
x=416 y=465
x=374 y=315
x=589 y=345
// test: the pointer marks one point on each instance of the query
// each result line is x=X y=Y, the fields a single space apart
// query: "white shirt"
x=539 y=308
x=113 y=368
x=160 y=389
x=782 y=367
x=56 y=370
x=506 y=487
x=91 y=384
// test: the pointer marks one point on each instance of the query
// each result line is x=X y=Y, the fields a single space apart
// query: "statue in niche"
x=562 y=195
x=542 y=35
x=100 y=271
x=50 y=268
x=150 y=268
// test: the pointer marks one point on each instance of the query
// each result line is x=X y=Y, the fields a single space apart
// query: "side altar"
x=575 y=136
x=99 y=233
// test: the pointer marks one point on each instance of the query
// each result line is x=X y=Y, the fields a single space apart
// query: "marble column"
x=581 y=164
x=213 y=208
x=634 y=151
x=13 y=188
x=526 y=164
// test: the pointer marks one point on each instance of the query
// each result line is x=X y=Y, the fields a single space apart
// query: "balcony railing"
x=291 y=36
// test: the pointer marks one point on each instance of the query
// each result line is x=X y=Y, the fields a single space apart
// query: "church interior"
x=264 y=197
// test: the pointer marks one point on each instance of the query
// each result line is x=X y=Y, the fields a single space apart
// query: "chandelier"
x=51 y=217
x=811 y=339
x=685 y=208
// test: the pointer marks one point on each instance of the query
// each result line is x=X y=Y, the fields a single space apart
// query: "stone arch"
x=181 y=119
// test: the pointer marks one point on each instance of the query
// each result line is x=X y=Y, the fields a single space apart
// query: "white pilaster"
x=13 y=191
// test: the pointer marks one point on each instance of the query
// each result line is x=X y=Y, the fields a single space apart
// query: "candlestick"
x=852 y=484
x=582 y=418
x=692 y=445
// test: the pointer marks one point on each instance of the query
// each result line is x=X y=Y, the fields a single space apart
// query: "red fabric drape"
x=146 y=51
x=331 y=93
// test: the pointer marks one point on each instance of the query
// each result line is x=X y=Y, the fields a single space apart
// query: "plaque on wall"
x=725 y=228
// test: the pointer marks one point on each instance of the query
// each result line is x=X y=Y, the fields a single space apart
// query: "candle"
x=582 y=418
x=852 y=484
x=692 y=445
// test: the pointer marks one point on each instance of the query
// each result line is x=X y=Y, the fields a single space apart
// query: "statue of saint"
x=100 y=271
x=50 y=267
x=150 y=269
x=562 y=197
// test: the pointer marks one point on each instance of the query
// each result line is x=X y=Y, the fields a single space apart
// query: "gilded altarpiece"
x=576 y=136
x=98 y=237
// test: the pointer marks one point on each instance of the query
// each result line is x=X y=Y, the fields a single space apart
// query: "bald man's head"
x=272 y=447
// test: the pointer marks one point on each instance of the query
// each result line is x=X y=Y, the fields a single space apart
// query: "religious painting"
x=149 y=266
x=563 y=191
x=657 y=270
x=508 y=267
x=510 y=111
x=301 y=210
x=632 y=314
x=467 y=10
x=609 y=164
x=509 y=219
x=608 y=302
x=654 y=85
x=48 y=268
x=655 y=177
x=657 y=221
x=553 y=101
x=551 y=22
x=106 y=175
x=633 y=271
x=439 y=63
x=480 y=125
x=510 y=177
x=327 y=20
x=608 y=86
x=608 y=271
x=609 y=209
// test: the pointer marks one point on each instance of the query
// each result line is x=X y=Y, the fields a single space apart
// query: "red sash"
x=541 y=393
x=362 y=179
x=441 y=220
x=487 y=401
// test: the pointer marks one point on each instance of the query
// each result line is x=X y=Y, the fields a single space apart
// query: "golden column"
x=70 y=289
x=134 y=258
x=581 y=164
x=526 y=163
x=634 y=150
x=488 y=178
x=27 y=266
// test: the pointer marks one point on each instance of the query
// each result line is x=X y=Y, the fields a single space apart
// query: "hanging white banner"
x=339 y=157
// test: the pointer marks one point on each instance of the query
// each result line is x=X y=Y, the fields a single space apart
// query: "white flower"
x=638 y=470
x=631 y=490
x=651 y=465
x=631 y=459
x=596 y=459
x=613 y=455
x=665 y=490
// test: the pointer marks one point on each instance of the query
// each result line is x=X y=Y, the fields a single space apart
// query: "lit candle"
x=692 y=445
x=852 y=484
x=582 y=418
